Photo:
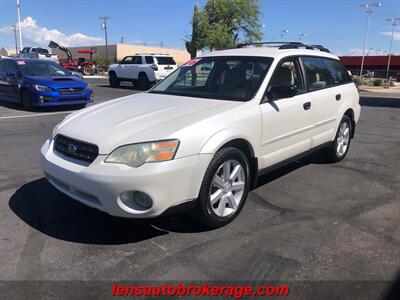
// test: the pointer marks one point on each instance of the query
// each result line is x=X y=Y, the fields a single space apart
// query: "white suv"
x=201 y=136
x=141 y=69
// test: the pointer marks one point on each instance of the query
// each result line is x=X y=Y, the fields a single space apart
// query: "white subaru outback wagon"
x=199 y=138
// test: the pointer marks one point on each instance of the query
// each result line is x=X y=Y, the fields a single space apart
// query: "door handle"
x=338 y=97
x=307 y=105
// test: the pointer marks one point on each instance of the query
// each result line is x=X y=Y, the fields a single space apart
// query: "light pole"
x=368 y=6
x=15 y=39
x=394 y=24
x=19 y=25
x=302 y=35
x=104 y=26
x=283 y=32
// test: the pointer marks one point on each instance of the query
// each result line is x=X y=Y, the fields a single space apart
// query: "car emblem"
x=71 y=148
x=71 y=89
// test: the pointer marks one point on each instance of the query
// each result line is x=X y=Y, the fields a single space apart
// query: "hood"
x=139 y=118
x=56 y=81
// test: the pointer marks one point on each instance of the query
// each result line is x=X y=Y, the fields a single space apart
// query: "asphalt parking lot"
x=306 y=221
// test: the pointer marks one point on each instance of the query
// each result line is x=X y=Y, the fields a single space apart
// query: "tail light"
x=154 y=67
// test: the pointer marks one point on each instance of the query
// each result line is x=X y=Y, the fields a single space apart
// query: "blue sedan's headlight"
x=42 y=88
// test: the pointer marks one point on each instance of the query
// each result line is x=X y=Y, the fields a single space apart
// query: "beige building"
x=119 y=51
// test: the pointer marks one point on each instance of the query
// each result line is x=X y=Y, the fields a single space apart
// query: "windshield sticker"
x=192 y=62
x=20 y=62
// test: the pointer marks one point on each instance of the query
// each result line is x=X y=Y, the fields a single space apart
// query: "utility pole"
x=104 y=26
x=394 y=24
x=15 y=38
x=368 y=6
x=162 y=44
x=19 y=25
x=122 y=40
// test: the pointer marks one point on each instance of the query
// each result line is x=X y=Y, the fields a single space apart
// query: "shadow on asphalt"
x=17 y=106
x=121 y=87
x=380 y=102
x=52 y=213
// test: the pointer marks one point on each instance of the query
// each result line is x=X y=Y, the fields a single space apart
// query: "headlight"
x=42 y=88
x=88 y=87
x=135 y=155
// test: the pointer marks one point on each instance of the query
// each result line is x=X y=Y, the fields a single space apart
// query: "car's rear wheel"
x=114 y=81
x=26 y=100
x=224 y=188
x=143 y=82
x=87 y=70
x=340 y=146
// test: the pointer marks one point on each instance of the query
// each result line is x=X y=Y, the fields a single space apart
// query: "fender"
x=226 y=135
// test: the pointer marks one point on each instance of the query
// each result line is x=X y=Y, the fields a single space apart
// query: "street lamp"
x=19 y=25
x=394 y=24
x=263 y=28
x=369 y=7
x=302 y=35
x=283 y=32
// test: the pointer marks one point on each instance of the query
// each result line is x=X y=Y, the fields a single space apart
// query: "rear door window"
x=149 y=60
x=166 y=60
x=318 y=75
x=137 y=60
x=337 y=71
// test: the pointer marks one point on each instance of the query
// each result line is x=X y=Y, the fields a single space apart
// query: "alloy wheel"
x=227 y=188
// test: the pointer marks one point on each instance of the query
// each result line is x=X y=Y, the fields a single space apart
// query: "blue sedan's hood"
x=57 y=81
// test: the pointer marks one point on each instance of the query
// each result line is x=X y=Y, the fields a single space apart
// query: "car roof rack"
x=286 y=45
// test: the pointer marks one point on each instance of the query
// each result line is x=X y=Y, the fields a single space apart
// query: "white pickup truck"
x=141 y=69
x=37 y=52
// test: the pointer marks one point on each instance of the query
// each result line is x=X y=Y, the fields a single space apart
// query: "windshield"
x=41 y=68
x=228 y=78
x=165 y=60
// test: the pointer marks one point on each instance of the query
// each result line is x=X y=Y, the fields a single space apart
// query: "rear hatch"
x=166 y=65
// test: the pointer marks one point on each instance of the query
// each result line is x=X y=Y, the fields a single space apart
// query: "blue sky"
x=337 y=24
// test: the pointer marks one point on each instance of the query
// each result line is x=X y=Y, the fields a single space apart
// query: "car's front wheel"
x=224 y=188
x=26 y=100
x=114 y=81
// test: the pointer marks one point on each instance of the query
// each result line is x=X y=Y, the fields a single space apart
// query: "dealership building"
x=376 y=64
x=119 y=51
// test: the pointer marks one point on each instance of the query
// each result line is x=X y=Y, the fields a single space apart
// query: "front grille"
x=76 y=149
x=71 y=91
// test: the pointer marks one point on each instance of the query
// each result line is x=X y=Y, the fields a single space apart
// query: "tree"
x=224 y=24
x=195 y=43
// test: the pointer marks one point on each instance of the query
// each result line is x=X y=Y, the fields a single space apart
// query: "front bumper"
x=100 y=184
x=54 y=98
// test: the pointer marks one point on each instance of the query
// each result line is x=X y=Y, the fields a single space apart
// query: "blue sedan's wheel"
x=26 y=100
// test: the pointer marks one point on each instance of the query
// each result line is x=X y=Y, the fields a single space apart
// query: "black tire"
x=204 y=211
x=87 y=70
x=114 y=81
x=332 y=153
x=143 y=82
x=26 y=100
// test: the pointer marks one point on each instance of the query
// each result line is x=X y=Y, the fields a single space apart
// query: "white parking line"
x=37 y=115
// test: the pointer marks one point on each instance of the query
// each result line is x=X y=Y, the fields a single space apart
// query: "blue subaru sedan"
x=38 y=82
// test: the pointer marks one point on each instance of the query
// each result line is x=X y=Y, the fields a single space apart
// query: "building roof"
x=371 y=61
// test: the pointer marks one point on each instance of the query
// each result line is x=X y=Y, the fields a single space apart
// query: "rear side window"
x=149 y=60
x=137 y=60
x=318 y=76
x=338 y=71
x=166 y=60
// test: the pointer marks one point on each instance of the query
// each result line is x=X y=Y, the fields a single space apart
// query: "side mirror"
x=281 y=91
